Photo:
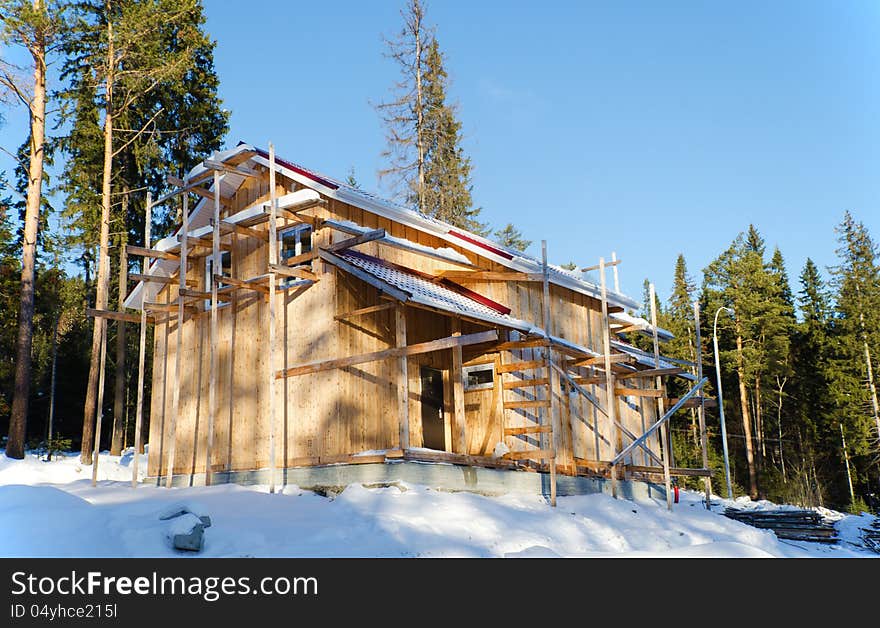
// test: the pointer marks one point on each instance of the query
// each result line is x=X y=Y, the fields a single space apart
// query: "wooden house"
x=302 y=322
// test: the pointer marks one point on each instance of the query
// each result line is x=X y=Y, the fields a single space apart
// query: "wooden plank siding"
x=346 y=411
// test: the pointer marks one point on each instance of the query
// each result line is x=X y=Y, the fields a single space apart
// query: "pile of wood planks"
x=871 y=536
x=795 y=525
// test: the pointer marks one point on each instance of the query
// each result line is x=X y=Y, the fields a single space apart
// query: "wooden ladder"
x=535 y=411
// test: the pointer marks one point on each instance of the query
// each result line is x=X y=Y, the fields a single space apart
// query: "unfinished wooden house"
x=300 y=322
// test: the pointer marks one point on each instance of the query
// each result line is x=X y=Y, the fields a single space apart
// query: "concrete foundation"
x=442 y=476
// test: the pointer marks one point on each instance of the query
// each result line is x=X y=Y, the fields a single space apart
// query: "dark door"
x=432 y=408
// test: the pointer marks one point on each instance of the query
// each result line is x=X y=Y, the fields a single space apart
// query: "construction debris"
x=795 y=525
x=871 y=536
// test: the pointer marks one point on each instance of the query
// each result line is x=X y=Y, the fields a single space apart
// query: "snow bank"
x=70 y=518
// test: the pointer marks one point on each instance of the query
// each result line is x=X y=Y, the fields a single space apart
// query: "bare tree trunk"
x=781 y=385
x=24 y=341
x=418 y=13
x=88 y=434
x=746 y=419
x=119 y=389
x=51 y=426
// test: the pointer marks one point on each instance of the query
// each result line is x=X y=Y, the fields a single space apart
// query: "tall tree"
x=512 y=238
x=426 y=161
x=856 y=337
x=127 y=52
x=404 y=115
x=35 y=25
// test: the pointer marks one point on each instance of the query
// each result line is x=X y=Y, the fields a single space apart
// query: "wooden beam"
x=249 y=232
x=116 y=316
x=205 y=242
x=459 y=419
x=523 y=344
x=485 y=275
x=550 y=416
x=249 y=284
x=526 y=383
x=166 y=307
x=140 y=251
x=212 y=368
x=270 y=315
x=212 y=164
x=178 y=358
x=614 y=358
x=665 y=443
x=365 y=310
x=701 y=412
x=600 y=265
x=158 y=279
x=530 y=454
x=608 y=359
x=299 y=272
x=196 y=294
x=536 y=403
x=402 y=376
x=174 y=181
x=301 y=259
x=292 y=212
x=534 y=429
x=142 y=350
x=673 y=370
x=522 y=366
x=708 y=402
x=697 y=473
x=369 y=236
x=416 y=349
x=638 y=392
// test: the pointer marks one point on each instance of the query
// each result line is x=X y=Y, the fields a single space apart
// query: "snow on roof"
x=643 y=324
x=484 y=247
x=447 y=296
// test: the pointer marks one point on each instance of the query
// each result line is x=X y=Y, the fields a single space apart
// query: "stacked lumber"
x=871 y=536
x=795 y=525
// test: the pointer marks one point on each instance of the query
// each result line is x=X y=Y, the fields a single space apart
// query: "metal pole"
x=721 y=401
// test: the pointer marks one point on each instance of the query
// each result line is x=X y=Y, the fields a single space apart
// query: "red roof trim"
x=446 y=283
x=482 y=245
x=309 y=175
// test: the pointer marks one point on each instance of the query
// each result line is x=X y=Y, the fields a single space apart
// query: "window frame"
x=486 y=366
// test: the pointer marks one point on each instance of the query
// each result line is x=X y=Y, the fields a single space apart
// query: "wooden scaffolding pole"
x=270 y=354
x=704 y=439
x=609 y=375
x=459 y=430
x=99 y=413
x=551 y=375
x=119 y=397
x=402 y=376
x=665 y=445
x=139 y=410
x=212 y=375
x=178 y=357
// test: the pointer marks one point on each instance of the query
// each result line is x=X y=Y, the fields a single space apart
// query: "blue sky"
x=646 y=128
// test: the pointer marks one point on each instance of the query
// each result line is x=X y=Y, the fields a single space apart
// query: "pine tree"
x=856 y=341
x=426 y=159
x=510 y=237
x=35 y=25
x=129 y=53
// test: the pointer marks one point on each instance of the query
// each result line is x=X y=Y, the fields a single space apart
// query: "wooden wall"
x=349 y=410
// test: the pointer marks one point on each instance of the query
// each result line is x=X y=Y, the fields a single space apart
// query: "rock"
x=185 y=530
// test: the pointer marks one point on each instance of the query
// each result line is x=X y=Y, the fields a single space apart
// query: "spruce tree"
x=510 y=237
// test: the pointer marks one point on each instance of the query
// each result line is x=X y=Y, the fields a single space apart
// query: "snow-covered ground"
x=51 y=509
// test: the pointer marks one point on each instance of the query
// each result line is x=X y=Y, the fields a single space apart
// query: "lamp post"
x=721 y=398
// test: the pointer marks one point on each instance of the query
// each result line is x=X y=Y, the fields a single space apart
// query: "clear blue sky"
x=647 y=128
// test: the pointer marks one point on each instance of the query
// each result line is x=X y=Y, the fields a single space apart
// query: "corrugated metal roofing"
x=433 y=294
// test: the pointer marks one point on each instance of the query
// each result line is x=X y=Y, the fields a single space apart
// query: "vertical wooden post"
x=614 y=272
x=402 y=376
x=704 y=439
x=459 y=428
x=661 y=405
x=609 y=376
x=270 y=354
x=117 y=434
x=216 y=269
x=551 y=374
x=139 y=410
x=178 y=357
x=99 y=413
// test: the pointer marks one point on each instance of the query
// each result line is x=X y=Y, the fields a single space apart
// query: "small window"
x=293 y=242
x=479 y=377
x=225 y=269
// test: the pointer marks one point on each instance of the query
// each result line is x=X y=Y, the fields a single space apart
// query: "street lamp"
x=721 y=398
